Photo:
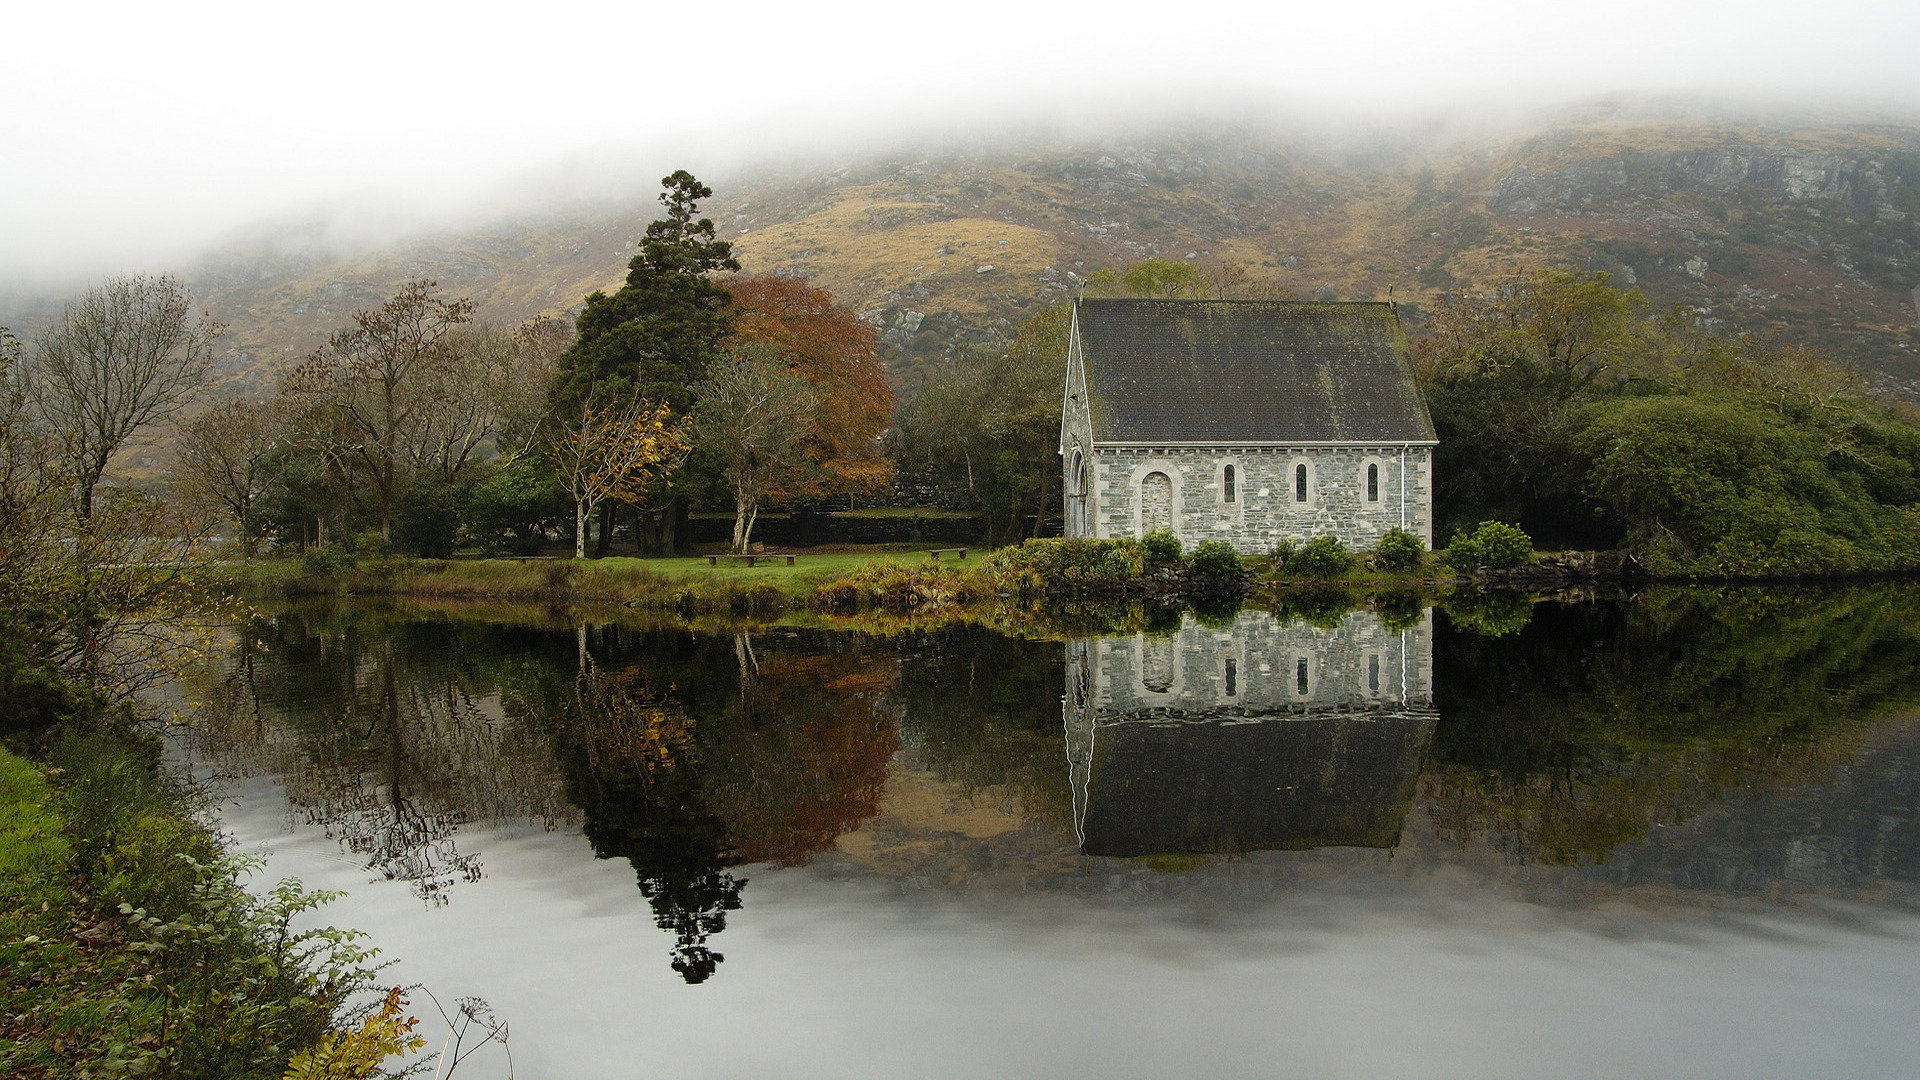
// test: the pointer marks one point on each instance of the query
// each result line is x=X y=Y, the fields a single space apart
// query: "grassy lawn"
x=616 y=578
x=810 y=567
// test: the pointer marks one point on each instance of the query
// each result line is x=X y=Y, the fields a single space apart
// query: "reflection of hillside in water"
x=1255 y=736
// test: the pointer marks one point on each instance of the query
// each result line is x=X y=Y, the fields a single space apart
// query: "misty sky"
x=131 y=134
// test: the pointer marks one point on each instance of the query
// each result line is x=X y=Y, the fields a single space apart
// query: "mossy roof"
x=1225 y=372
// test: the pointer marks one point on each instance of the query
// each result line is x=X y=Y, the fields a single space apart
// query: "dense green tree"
x=986 y=434
x=654 y=338
x=1724 y=484
x=1505 y=372
x=661 y=330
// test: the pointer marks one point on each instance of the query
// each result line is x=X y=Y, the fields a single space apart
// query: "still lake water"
x=1676 y=834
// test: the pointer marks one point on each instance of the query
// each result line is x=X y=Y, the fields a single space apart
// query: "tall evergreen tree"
x=656 y=336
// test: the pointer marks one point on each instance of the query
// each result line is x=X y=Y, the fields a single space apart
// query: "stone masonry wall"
x=1264 y=509
x=1275 y=667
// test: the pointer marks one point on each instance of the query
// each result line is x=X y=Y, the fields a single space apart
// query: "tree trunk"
x=745 y=508
x=579 y=528
x=605 y=541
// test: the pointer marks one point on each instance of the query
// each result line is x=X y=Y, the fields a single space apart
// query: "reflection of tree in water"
x=1563 y=741
x=387 y=738
x=690 y=759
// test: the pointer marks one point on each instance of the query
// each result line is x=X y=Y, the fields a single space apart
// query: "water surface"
x=1659 y=835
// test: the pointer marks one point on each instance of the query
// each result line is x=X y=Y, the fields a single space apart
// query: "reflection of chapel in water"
x=1259 y=736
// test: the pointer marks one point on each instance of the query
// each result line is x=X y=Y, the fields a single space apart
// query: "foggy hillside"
x=1806 y=234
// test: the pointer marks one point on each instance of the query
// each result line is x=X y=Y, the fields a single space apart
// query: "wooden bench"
x=714 y=560
x=937 y=552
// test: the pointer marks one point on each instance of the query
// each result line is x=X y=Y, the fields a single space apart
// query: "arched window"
x=1233 y=678
x=1079 y=475
x=1227 y=487
x=1300 y=684
x=1373 y=673
x=1373 y=483
x=1156 y=502
x=1300 y=482
x=1156 y=664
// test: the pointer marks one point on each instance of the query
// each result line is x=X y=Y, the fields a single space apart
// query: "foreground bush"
x=1320 y=557
x=1399 y=550
x=1493 y=543
x=1216 y=559
x=130 y=948
x=1078 y=563
x=1162 y=547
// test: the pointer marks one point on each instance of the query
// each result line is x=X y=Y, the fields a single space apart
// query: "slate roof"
x=1233 y=371
x=1253 y=785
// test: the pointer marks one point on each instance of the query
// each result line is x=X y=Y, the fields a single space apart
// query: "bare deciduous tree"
x=753 y=416
x=377 y=377
x=234 y=453
x=122 y=355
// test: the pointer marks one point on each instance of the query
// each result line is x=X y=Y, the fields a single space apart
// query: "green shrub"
x=1162 y=547
x=1084 y=563
x=1321 y=557
x=1216 y=559
x=187 y=975
x=326 y=560
x=1399 y=550
x=1284 y=551
x=1493 y=543
x=369 y=544
x=427 y=523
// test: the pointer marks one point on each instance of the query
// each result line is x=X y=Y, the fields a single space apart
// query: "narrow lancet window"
x=1233 y=678
x=1300 y=677
x=1227 y=480
x=1299 y=483
x=1373 y=674
x=1373 y=483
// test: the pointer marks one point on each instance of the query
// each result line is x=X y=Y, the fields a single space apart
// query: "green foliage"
x=1492 y=543
x=656 y=336
x=1399 y=550
x=1155 y=278
x=1077 y=564
x=985 y=435
x=1727 y=485
x=141 y=954
x=1162 y=547
x=513 y=509
x=327 y=560
x=427 y=522
x=1216 y=559
x=1322 y=557
x=369 y=544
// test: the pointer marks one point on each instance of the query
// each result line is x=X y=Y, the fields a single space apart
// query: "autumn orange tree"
x=828 y=346
x=611 y=452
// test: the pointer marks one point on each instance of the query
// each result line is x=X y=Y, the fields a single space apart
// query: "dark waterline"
x=1669 y=834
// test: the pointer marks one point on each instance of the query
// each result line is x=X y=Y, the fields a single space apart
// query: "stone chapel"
x=1249 y=421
